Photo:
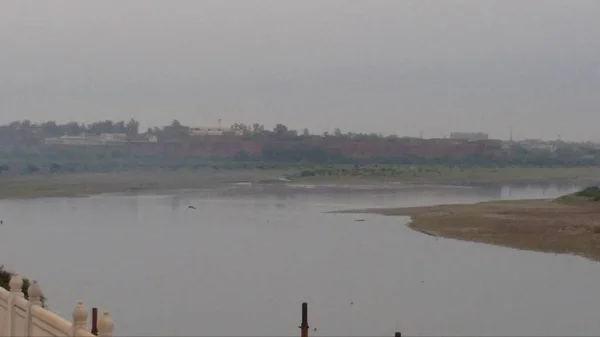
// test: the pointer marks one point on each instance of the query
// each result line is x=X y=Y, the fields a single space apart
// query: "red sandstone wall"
x=218 y=146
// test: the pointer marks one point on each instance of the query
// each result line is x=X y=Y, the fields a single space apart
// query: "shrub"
x=592 y=192
x=308 y=173
x=32 y=168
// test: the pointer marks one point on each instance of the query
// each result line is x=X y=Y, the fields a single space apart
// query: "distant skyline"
x=402 y=67
x=269 y=127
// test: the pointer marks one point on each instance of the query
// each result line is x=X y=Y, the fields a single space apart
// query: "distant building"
x=111 y=138
x=74 y=140
x=537 y=144
x=470 y=136
x=83 y=139
x=52 y=141
x=211 y=131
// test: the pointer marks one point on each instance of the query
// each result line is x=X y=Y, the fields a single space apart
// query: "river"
x=245 y=259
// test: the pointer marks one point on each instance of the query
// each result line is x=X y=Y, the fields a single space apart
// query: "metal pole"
x=95 y=321
x=304 y=325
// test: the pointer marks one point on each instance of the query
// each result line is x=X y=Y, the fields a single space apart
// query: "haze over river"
x=244 y=261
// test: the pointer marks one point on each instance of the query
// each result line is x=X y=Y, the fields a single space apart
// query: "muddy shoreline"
x=543 y=225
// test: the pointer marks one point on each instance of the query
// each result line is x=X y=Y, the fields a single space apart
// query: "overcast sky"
x=392 y=66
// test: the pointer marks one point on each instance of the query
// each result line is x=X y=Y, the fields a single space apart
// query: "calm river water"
x=244 y=261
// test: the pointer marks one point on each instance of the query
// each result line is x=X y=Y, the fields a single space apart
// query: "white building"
x=83 y=139
x=210 y=131
x=113 y=137
x=74 y=140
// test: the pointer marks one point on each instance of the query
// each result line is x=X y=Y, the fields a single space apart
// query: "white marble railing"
x=21 y=317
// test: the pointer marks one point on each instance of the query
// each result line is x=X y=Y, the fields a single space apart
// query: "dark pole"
x=397 y=334
x=95 y=321
x=304 y=325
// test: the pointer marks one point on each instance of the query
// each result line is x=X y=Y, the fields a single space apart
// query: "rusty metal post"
x=95 y=321
x=304 y=325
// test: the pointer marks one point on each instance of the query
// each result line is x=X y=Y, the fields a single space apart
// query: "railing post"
x=35 y=293
x=16 y=290
x=105 y=325
x=304 y=324
x=80 y=316
x=35 y=298
x=16 y=285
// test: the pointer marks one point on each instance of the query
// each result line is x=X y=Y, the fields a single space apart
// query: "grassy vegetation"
x=65 y=184
x=436 y=174
x=563 y=225
x=107 y=170
x=103 y=160
x=592 y=192
x=309 y=163
x=83 y=184
x=5 y=276
x=588 y=194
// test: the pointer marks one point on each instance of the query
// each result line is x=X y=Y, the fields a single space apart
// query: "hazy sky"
x=366 y=65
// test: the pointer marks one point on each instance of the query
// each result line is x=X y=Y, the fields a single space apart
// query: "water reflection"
x=385 y=197
x=547 y=190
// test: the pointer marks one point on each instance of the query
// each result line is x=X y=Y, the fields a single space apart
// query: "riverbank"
x=447 y=175
x=565 y=225
x=84 y=184
x=145 y=181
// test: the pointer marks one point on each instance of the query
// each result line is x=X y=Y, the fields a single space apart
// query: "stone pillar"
x=80 y=316
x=35 y=293
x=105 y=325
x=16 y=285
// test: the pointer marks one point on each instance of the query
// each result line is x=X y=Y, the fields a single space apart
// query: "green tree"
x=132 y=128
x=97 y=128
x=55 y=167
x=280 y=130
x=258 y=128
x=50 y=129
x=240 y=128
x=119 y=127
x=72 y=129
x=32 y=168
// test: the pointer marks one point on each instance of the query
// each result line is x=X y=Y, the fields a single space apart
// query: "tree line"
x=108 y=159
x=282 y=131
x=25 y=132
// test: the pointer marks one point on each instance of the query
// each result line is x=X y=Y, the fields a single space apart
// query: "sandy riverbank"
x=84 y=184
x=541 y=225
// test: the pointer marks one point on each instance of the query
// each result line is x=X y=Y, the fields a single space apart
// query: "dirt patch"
x=539 y=225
